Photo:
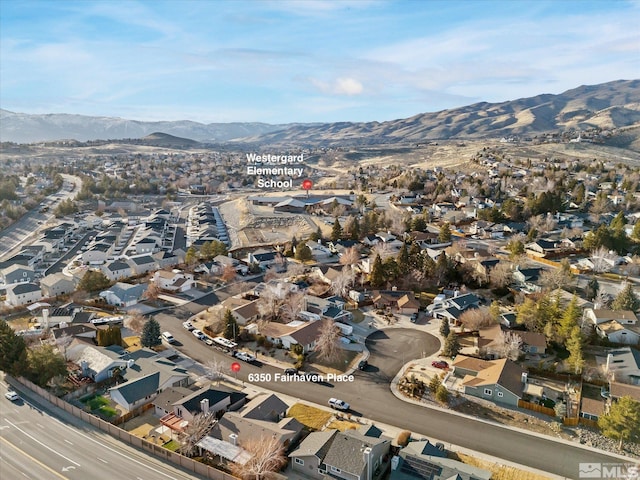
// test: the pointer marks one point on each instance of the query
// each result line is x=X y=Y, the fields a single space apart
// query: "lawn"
x=96 y=402
x=341 y=365
x=172 y=445
x=108 y=411
x=311 y=417
x=343 y=425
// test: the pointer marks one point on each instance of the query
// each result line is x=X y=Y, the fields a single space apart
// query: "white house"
x=57 y=284
x=22 y=294
x=174 y=281
x=124 y=294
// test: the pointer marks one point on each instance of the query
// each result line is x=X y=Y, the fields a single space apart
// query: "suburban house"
x=117 y=270
x=124 y=294
x=17 y=274
x=294 y=333
x=349 y=455
x=22 y=294
x=263 y=258
x=174 y=281
x=57 y=284
x=264 y=416
x=619 y=326
x=542 y=247
x=401 y=301
x=451 y=308
x=421 y=460
x=527 y=278
x=618 y=390
x=500 y=381
x=243 y=310
x=96 y=363
x=205 y=400
x=327 y=274
x=146 y=375
x=142 y=264
x=331 y=308
x=98 y=254
x=623 y=365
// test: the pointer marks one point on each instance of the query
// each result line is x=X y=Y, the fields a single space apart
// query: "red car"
x=440 y=364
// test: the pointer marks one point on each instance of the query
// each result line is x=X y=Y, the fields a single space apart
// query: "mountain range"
x=609 y=105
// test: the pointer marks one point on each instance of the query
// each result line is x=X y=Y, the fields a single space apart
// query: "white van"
x=167 y=337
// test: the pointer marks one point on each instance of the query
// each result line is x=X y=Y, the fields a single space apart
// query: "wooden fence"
x=536 y=408
x=158 y=451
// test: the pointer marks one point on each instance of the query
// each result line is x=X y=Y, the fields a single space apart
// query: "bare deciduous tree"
x=382 y=249
x=476 y=318
x=228 y=274
x=215 y=369
x=63 y=341
x=340 y=285
x=327 y=345
x=603 y=260
x=509 y=345
x=268 y=456
x=135 y=321
x=152 y=291
x=351 y=256
x=198 y=428
x=500 y=276
x=292 y=305
x=269 y=303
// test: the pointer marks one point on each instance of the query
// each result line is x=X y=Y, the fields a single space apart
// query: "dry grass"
x=500 y=472
x=311 y=417
x=343 y=425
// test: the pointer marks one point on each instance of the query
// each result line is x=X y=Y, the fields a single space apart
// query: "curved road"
x=371 y=397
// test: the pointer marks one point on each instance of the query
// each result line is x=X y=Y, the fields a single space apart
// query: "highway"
x=39 y=442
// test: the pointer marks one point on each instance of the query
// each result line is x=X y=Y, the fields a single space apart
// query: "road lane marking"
x=44 y=445
x=70 y=443
x=46 y=467
x=102 y=460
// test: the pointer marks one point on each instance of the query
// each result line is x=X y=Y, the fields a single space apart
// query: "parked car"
x=167 y=337
x=209 y=341
x=198 y=334
x=414 y=317
x=245 y=357
x=188 y=325
x=363 y=365
x=440 y=364
x=13 y=396
x=338 y=404
x=290 y=371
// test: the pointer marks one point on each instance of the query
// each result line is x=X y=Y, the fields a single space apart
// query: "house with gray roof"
x=142 y=264
x=208 y=400
x=117 y=270
x=57 y=284
x=23 y=294
x=17 y=273
x=264 y=416
x=623 y=365
x=124 y=294
x=350 y=455
x=413 y=464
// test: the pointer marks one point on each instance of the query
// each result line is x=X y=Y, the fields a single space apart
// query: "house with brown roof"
x=618 y=326
x=500 y=381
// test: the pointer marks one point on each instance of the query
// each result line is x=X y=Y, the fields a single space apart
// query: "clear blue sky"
x=305 y=60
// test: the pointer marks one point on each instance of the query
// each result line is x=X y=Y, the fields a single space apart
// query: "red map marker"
x=235 y=366
x=307 y=184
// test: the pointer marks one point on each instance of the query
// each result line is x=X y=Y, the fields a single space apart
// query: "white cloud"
x=340 y=86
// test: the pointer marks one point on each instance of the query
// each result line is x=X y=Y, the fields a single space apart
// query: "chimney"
x=130 y=363
x=233 y=439
x=45 y=318
x=204 y=405
x=524 y=377
x=366 y=456
x=394 y=463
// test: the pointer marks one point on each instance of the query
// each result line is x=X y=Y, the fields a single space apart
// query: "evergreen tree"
x=442 y=394
x=451 y=346
x=150 y=333
x=44 y=364
x=303 y=253
x=445 y=233
x=376 y=277
x=191 y=256
x=13 y=351
x=336 y=231
x=230 y=326
x=626 y=299
x=574 y=346
x=635 y=234
x=569 y=319
x=434 y=384
x=93 y=281
x=445 y=330
x=109 y=336
x=622 y=421
x=592 y=288
x=402 y=260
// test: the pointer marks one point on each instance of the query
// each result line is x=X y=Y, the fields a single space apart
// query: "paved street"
x=38 y=443
x=370 y=397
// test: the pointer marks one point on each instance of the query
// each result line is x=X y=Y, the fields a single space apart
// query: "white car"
x=188 y=325
x=13 y=396
x=167 y=337
x=338 y=404
x=198 y=334
x=209 y=341
x=245 y=357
